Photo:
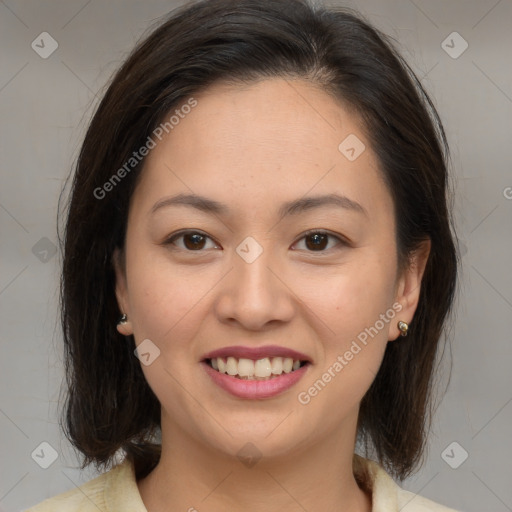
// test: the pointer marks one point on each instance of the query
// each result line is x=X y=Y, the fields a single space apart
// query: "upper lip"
x=256 y=353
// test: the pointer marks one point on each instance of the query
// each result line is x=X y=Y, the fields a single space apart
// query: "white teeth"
x=245 y=367
x=277 y=365
x=262 y=369
x=232 y=366
x=287 y=364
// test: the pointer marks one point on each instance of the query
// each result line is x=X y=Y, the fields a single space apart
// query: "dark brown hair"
x=109 y=405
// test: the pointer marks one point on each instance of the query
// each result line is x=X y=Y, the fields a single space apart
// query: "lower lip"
x=255 y=389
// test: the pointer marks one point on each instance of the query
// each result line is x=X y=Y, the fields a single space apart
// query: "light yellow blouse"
x=117 y=491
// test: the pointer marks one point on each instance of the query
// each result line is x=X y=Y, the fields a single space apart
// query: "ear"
x=121 y=291
x=409 y=286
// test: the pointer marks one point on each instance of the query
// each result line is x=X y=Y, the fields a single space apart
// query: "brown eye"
x=318 y=241
x=192 y=241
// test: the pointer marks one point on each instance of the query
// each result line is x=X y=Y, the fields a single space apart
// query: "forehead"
x=272 y=138
x=271 y=115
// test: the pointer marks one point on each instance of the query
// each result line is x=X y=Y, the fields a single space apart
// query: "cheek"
x=351 y=305
x=351 y=298
x=163 y=299
x=167 y=308
x=354 y=346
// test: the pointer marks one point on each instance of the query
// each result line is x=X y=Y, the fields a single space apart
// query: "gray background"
x=44 y=107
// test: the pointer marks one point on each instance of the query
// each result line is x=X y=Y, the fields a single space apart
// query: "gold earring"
x=123 y=319
x=403 y=328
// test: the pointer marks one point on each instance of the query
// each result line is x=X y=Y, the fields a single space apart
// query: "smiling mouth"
x=260 y=369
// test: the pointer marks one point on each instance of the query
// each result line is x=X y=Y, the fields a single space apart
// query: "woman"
x=258 y=265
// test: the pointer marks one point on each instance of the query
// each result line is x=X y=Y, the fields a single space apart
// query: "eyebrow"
x=294 y=207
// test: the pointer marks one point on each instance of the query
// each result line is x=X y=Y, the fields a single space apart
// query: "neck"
x=191 y=476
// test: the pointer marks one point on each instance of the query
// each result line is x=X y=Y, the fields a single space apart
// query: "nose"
x=255 y=293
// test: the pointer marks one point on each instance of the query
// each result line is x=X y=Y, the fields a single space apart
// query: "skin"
x=253 y=148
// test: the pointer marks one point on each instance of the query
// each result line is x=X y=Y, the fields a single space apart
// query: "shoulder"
x=387 y=495
x=114 y=490
x=89 y=496
x=410 y=502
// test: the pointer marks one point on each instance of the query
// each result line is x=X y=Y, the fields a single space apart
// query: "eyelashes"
x=195 y=241
x=320 y=236
x=198 y=237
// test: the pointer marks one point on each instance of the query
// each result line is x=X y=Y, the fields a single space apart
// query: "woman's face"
x=245 y=276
